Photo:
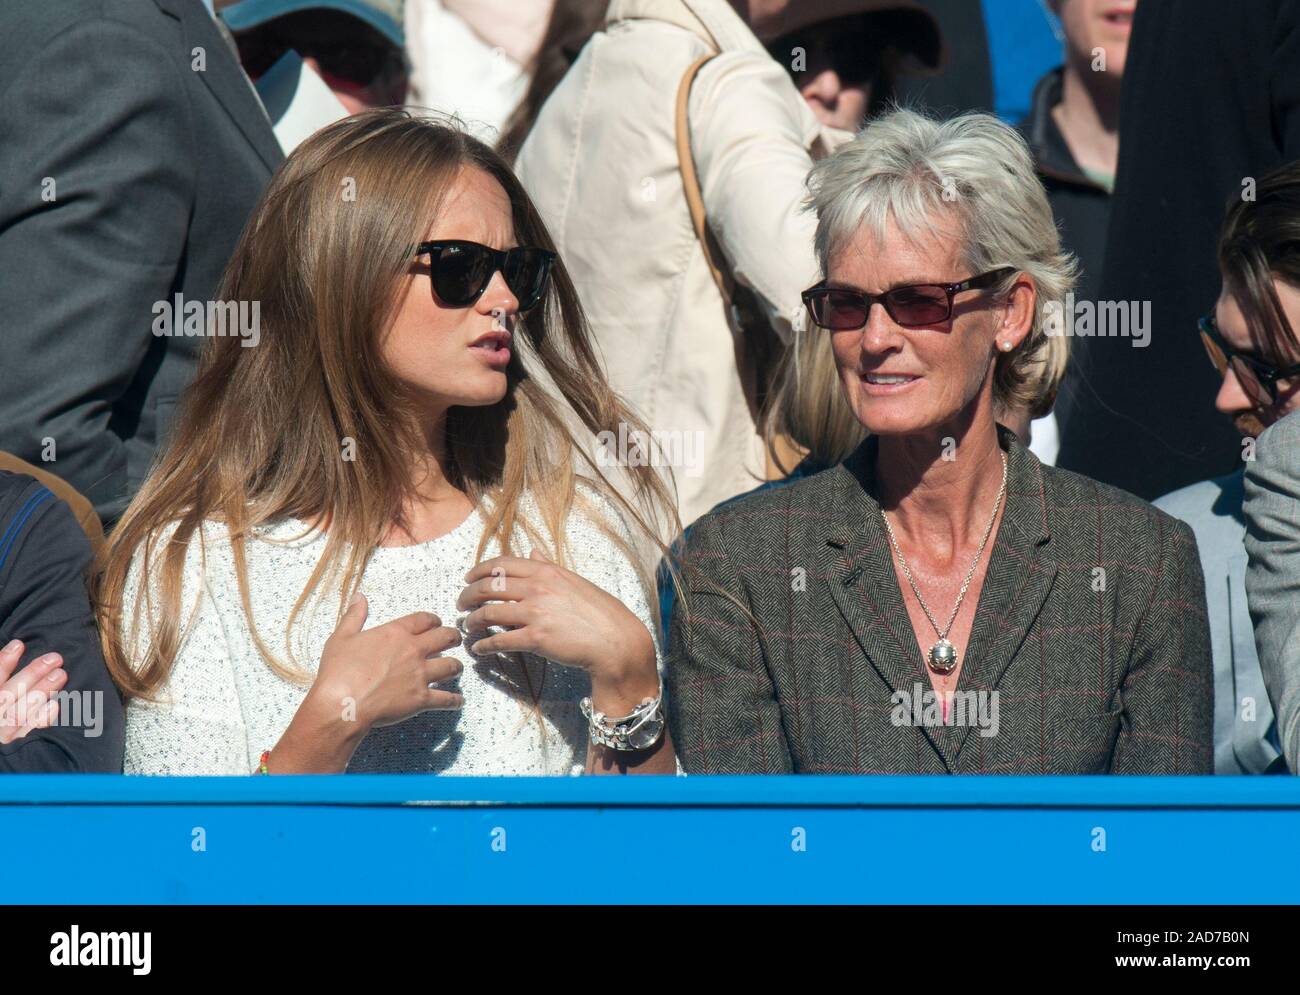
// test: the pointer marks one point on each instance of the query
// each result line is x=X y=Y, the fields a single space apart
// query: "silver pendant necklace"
x=943 y=654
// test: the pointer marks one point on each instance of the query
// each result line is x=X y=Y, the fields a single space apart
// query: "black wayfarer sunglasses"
x=1257 y=378
x=460 y=271
x=913 y=306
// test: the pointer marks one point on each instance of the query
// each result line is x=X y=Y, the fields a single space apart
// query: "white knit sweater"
x=222 y=705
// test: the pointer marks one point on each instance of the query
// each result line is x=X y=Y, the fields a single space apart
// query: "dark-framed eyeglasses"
x=913 y=306
x=1257 y=378
x=460 y=271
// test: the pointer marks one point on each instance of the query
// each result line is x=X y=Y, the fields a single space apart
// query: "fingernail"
x=48 y=658
x=355 y=598
x=12 y=645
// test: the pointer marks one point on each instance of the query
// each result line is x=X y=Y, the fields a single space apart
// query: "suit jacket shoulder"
x=1213 y=509
x=1078 y=510
x=1080 y=506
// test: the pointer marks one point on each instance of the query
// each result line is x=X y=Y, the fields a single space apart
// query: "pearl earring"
x=1006 y=346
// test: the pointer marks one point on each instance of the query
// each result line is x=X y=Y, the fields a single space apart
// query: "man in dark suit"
x=132 y=150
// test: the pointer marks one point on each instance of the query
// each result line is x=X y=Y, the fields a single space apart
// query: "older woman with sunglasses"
x=939 y=601
x=369 y=545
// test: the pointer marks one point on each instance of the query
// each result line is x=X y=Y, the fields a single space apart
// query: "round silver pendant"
x=943 y=657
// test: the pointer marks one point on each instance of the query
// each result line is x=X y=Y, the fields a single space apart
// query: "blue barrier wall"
x=417 y=839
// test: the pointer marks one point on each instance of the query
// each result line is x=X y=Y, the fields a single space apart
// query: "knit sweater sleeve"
x=195 y=725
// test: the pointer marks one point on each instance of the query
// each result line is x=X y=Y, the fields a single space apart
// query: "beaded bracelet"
x=261 y=766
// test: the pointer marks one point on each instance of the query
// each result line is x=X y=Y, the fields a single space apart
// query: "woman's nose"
x=498 y=297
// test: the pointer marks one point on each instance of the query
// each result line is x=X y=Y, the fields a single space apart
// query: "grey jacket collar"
x=865 y=586
x=225 y=79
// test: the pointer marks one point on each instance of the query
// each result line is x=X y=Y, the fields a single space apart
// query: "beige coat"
x=602 y=166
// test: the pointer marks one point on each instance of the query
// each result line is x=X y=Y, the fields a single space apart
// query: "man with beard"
x=1250 y=337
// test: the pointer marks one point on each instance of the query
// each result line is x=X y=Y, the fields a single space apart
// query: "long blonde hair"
x=261 y=431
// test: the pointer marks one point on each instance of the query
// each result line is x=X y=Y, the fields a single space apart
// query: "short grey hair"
x=978 y=172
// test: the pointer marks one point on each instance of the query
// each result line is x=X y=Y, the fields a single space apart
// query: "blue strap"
x=33 y=502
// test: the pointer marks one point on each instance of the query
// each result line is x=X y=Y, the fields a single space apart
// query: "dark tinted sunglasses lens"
x=362 y=65
x=460 y=272
x=837 y=310
x=917 y=305
x=1250 y=382
x=527 y=273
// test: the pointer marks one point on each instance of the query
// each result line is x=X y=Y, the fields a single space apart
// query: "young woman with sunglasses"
x=376 y=541
x=939 y=601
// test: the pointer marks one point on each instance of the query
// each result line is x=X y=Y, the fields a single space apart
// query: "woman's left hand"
x=554 y=613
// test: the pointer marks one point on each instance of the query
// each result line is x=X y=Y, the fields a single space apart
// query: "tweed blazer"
x=795 y=651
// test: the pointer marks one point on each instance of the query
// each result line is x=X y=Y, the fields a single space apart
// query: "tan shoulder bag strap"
x=691 y=180
x=786 y=454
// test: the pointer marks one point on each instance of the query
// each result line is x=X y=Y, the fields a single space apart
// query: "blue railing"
x=382 y=839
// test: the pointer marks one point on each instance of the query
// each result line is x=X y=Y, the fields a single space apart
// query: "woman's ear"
x=1017 y=313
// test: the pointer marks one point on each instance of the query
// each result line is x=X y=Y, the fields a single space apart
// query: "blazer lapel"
x=1019 y=576
x=225 y=79
x=860 y=572
x=864 y=583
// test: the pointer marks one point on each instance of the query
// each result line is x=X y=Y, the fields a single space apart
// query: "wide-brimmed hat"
x=802 y=13
x=385 y=16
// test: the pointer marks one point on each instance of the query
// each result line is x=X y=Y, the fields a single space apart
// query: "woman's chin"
x=889 y=418
x=481 y=388
x=913 y=413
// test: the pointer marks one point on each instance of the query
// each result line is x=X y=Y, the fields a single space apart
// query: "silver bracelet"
x=638 y=730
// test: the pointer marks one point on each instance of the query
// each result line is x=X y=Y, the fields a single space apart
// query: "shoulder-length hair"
x=918 y=170
x=310 y=423
x=977 y=171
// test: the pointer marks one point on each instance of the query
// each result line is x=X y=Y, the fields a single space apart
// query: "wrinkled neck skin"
x=939 y=486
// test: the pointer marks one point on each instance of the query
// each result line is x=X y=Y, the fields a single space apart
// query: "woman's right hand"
x=382 y=675
x=369 y=678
